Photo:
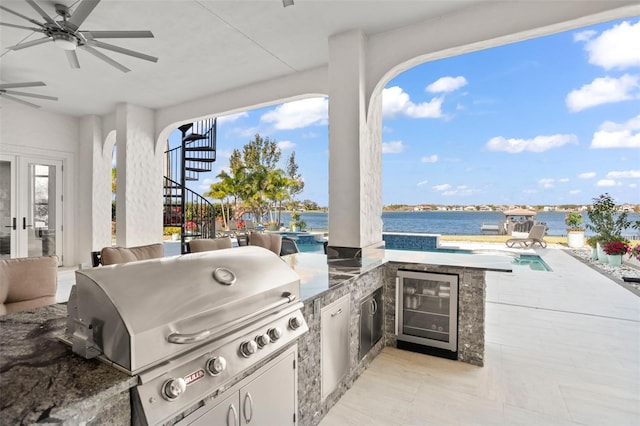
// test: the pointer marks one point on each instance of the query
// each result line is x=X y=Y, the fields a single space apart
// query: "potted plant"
x=615 y=249
x=575 y=230
x=296 y=224
x=272 y=226
x=606 y=222
x=593 y=243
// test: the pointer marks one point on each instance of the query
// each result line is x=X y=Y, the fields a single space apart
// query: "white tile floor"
x=562 y=347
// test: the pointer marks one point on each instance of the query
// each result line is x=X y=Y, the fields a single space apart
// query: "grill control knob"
x=263 y=340
x=248 y=348
x=274 y=333
x=216 y=365
x=295 y=323
x=173 y=388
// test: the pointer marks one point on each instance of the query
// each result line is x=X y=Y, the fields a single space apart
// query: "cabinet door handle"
x=336 y=313
x=374 y=306
x=248 y=402
x=234 y=413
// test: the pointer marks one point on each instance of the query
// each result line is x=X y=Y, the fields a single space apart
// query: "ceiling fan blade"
x=19 y=85
x=117 y=34
x=122 y=50
x=105 y=58
x=20 y=101
x=33 y=21
x=33 y=95
x=30 y=43
x=22 y=27
x=80 y=13
x=72 y=57
x=42 y=13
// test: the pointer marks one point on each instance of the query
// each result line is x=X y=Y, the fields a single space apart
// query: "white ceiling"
x=204 y=47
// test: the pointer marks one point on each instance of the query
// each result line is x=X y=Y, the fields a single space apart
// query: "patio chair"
x=27 y=283
x=289 y=246
x=272 y=242
x=208 y=244
x=536 y=235
x=113 y=255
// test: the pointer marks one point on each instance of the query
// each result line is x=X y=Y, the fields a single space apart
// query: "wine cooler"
x=427 y=312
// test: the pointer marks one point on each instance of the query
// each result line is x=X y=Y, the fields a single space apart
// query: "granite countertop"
x=42 y=380
x=317 y=275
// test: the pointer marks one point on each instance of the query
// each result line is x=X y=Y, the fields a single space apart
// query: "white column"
x=139 y=176
x=355 y=148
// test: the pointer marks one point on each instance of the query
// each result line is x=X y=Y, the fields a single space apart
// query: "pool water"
x=534 y=262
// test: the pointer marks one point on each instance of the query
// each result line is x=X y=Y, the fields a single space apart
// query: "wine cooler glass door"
x=427 y=311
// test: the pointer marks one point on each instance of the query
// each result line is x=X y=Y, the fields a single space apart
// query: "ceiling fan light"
x=65 y=41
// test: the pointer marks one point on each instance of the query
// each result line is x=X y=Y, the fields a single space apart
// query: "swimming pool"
x=532 y=261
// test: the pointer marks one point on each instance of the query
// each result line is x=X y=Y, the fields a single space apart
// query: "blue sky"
x=554 y=120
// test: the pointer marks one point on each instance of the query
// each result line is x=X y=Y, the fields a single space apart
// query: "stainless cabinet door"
x=270 y=399
x=225 y=413
x=335 y=319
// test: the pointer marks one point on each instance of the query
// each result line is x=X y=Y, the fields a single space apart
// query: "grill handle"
x=199 y=336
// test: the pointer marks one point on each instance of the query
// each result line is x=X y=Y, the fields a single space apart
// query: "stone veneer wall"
x=471 y=307
x=311 y=407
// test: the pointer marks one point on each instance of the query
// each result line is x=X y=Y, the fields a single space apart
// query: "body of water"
x=449 y=223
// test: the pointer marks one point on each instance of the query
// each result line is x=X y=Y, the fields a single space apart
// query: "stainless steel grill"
x=185 y=325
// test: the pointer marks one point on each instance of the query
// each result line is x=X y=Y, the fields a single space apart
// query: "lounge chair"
x=536 y=235
x=207 y=244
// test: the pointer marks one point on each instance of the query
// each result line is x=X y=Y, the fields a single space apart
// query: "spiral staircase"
x=184 y=208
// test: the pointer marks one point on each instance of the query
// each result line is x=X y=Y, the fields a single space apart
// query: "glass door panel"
x=8 y=219
x=42 y=214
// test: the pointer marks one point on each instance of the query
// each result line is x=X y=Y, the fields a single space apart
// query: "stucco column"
x=355 y=151
x=139 y=177
x=94 y=190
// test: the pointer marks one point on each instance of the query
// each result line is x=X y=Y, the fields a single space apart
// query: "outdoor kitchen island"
x=43 y=381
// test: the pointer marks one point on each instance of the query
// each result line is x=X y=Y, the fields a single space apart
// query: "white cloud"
x=459 y=190
x=603 y=90
x=563 y=180
x=587 y=175
x=232 y=117
x=446 y=84
x=584 y=35
x=606 y=182
x=618 y=135
x=633 y=185
x=546 y=183
x=537 y=144
x=205 y=184
x=618 y=47
x=627 y=174
x=423 y=182
x=393 y=147
x=429 y=159
x=284 y=145
x=396 y=101
x=443 y=187
x=298 y=114
x=575 y=192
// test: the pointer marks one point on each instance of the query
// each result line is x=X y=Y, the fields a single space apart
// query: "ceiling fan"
x=67 y=35
x=11 y=94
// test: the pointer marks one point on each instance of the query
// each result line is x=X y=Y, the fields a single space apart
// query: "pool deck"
x=562 y=348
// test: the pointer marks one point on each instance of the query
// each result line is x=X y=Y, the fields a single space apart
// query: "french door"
x=30 y=207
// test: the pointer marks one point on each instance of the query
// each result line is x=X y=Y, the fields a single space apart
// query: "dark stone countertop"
x=318 y=276
x=42 y=381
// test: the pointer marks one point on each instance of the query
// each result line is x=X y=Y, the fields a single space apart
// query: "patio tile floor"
x=562 y=348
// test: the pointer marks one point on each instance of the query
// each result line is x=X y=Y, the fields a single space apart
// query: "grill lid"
x=140 y=314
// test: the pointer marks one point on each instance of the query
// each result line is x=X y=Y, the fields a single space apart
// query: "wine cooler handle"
x=397 y=306
x=374 y=306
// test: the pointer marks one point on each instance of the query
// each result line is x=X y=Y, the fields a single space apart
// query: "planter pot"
x=594 y=253
x=272 y=228
x=602 y=256
x=295 y=228
x=175 y=237
x=615 y=259
x=575 y=239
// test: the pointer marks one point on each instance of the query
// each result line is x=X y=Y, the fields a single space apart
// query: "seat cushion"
x=207 y=244
x=28 y=278
x=113 y=255
x=271 y=242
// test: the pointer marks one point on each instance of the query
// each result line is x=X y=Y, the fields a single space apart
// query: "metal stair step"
x=197 y=169
x=202 y=160
x=200 y=148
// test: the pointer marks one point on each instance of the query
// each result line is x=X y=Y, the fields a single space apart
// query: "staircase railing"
x=185 y=208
